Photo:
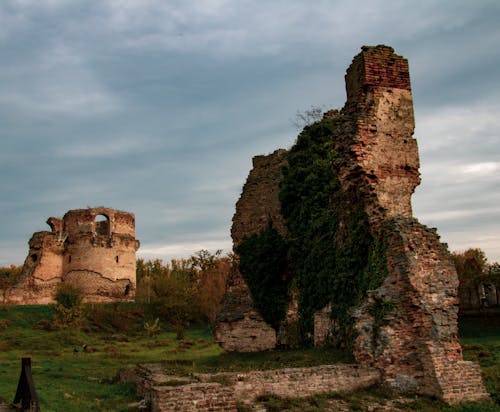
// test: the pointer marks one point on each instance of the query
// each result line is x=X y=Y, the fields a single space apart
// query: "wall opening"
x=102 y=225
x=117 y=259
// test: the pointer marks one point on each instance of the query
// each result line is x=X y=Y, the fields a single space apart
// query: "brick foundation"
x=222 y=391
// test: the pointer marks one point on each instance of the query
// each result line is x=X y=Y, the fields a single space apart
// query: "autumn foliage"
x=184 y=289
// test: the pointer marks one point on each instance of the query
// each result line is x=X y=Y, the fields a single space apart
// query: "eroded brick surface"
x=93 y=248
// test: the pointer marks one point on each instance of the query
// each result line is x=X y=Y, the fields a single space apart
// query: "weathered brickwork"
x=407 y=328
x=221 y=391
x=239 y=326
x=417 y=346
x=93 y=248
x=381 y=153
x=195 y=397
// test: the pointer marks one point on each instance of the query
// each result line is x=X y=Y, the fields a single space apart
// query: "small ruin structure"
x=93 y=248
x=406 y=326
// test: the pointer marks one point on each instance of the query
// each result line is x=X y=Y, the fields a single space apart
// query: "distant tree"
x=9 y=276
x=306 y=117
x=470 y=265
x=475 y=275
x=203 y=260
x=212 y=286
x=184 y=289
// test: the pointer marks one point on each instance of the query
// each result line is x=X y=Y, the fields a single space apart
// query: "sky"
x=157 y=108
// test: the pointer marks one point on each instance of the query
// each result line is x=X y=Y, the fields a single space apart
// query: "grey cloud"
x=157 y=108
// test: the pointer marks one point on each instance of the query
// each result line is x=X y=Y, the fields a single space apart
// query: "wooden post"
x=26 y=393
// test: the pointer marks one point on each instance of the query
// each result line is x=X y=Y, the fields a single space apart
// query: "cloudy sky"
x=157 y=107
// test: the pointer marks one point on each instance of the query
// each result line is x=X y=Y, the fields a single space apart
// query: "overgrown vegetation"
x=263 y=264
x=329 y=249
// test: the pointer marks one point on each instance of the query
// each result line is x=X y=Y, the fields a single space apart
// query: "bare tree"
x=306 y=117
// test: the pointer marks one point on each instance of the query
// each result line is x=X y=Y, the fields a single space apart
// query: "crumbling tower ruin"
x=407 y=325
x=93 y=248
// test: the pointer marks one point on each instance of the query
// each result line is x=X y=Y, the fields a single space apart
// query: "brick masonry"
x=239 y=326
x=223 y=391
x=93 y=248
x=414 y=345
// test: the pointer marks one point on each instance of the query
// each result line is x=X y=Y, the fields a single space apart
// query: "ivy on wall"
x=333 y=256
x=263 y=264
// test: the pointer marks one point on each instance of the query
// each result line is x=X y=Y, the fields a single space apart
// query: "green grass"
x=480 y=338
x=88 y=381
x=85 y=381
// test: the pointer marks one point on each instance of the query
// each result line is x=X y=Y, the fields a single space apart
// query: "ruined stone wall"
x=100 y=251
x=478 y=296
x=98 y=255
x=196 y=397
x=42 y=270
x=203 y=392
x=407 y=328
x=415 y=344
x=382 y=155
x=239 y=326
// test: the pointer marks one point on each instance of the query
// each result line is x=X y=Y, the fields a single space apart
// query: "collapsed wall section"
x=42 y=270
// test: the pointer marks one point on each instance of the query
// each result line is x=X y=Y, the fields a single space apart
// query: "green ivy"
x=263 y=265
x=334 y=257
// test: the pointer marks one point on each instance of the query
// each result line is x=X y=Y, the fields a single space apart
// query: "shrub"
x=68 y=311
x=69 y=295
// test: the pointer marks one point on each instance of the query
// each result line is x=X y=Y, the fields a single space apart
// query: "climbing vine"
x=334 y=257
x=263 y=264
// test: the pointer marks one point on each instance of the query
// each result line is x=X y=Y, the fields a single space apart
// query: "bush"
x=69 y=295
x=68 y=311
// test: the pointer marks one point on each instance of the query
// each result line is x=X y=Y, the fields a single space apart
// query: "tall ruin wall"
x=94 y=248
x=406 y=325
x=239 y=324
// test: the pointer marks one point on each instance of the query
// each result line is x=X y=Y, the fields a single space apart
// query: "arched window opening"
x=102 y=225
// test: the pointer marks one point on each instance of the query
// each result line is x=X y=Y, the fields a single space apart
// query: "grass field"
x=87 y=381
